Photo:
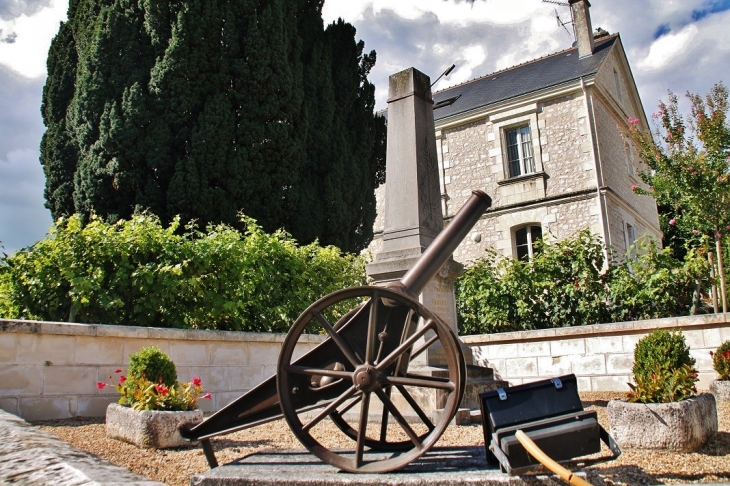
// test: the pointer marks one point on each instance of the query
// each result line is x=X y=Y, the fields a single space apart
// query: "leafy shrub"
x=663 y=386
x=139 y=393
x=136 y=272
x=665 y=349
x=153 y=364
x=569 y=284
x=663 y=369
x=721 y=360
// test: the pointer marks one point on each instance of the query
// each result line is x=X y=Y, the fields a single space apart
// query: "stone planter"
x=678 y=426
x=721 y=390
x=149 y=428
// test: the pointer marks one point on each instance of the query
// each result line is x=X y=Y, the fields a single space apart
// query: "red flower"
x=100 y=385
x=122 y=379
x=161 y=389
x=117 y=371
x=694 y=389
x=206 y=396
x=196 y=381
x=712 y=354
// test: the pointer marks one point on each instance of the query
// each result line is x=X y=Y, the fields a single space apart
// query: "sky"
x=677 y=45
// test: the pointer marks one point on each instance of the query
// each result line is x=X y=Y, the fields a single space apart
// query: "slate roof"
x=551 y=70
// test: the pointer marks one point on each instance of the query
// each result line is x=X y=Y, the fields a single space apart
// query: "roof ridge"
x=537 y=59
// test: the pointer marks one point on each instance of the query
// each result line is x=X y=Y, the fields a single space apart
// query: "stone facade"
x=584 y=170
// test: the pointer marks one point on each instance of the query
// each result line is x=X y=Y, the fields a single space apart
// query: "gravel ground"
x=175 y=467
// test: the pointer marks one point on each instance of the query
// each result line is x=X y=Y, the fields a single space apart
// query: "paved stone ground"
x=442 y=466
x=30 y=456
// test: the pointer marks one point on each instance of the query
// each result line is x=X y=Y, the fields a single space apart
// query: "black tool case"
x=550 y=413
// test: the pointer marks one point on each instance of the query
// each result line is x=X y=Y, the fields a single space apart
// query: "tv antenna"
x=557 y=17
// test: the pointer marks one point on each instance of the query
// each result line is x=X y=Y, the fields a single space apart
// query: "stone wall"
x=50 y=370
x=601 y=355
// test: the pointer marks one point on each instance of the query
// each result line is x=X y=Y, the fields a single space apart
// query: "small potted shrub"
x=153 y=404
x=663 y=410
x=721 y=362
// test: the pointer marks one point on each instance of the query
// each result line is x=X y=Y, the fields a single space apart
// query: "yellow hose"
x=546 y=461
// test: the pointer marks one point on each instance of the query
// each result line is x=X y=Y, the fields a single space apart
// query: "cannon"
x=368 y=362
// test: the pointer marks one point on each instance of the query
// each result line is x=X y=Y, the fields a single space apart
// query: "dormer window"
x=520 y=159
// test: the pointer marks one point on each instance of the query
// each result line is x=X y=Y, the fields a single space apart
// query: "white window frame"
x=514 y=118
x=529 y=229
x=525 y=162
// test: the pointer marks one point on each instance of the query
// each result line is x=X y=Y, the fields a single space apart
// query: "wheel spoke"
x=329 y=408
x=362 y=431
x=421 y=381
x=405 y=345
x=384 y=419
x=339 y=340
x=305 y=370
x=372 y=328
x=424 y=347
x=416 y=408
x=399 y=418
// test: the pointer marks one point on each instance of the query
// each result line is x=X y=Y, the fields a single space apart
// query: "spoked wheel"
x=371 y=367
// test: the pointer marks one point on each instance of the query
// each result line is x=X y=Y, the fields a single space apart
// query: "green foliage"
x=139 y=393
x=652 y=283
x=138 y=272
x=664 y=385
x=206 y=108
x=688 y=170
x=663 y=369
x=153 y=364
x=568 y=284
x=663 y=349
x=721 y=360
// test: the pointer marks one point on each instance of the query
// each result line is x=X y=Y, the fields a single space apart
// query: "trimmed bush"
x=663 y=369
x=153 y=364
x=721 y=361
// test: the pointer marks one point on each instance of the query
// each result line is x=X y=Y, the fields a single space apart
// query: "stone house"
x=544 y=140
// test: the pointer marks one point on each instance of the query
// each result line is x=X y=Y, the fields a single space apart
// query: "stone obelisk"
x=413 y=215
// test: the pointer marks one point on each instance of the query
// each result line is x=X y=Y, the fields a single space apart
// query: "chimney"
x=582 y=27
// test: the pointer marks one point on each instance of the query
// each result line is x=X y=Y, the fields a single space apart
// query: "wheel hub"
x=365 y=378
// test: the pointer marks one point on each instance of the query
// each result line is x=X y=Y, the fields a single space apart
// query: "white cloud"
x=667 y=48
x=27 y=55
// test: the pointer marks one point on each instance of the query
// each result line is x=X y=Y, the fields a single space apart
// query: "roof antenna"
x=557 y=17
x=445 y=73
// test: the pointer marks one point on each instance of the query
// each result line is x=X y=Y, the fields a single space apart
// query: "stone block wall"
x=601 y=355
x=49 y=370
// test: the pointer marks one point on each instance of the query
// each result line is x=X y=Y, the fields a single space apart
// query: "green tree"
x=208 y=108
x=689 y=167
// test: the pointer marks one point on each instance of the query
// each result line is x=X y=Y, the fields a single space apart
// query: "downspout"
x=596 y=154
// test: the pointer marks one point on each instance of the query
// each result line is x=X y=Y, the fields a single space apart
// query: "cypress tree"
x=208 y=108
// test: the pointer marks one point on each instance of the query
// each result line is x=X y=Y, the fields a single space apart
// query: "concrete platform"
x=439 y=467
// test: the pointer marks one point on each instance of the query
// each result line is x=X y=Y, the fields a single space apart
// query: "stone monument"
x=413 y=214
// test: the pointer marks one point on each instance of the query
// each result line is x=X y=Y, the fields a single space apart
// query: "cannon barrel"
x=440 y=250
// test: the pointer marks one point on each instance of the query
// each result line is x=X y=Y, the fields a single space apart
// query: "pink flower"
x=206 y=396
x=633 y=121
x=100 y=385
x=117 y=371
x=196 y=381
x=718 y=234
x=694 y=231
x=672 y=222
x=634 y=187
x=122 y=379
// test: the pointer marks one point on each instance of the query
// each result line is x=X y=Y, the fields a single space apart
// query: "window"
x=630 y=235
x=629 y=161
x=525 y=239
x=617 y=80
x=519 y=151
